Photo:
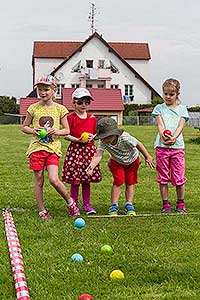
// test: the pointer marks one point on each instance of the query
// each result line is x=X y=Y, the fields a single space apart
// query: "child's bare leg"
x=115 y=193
x=129 y=192
x=180 y=191
x=164 y=191
x=38 y=188
x=57 y=184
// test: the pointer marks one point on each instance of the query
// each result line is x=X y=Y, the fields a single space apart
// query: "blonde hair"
x=173 y=83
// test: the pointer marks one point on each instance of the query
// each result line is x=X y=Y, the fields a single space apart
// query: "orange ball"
x=85 y=136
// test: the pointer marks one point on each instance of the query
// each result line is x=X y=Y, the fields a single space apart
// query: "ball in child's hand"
x=168 y=132
x=85 y=136
x=42 y=133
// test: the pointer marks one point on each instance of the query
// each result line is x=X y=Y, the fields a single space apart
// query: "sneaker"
x=166 y=208
x=89 y=210
x=113 y=210
x=73 y=210
x=180 y=207
x=129 y=209
x=44 y=215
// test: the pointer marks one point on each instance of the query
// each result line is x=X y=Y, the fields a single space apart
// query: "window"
x=128 y=89
x=77 y=67
x=89 y=63
x=101 y=85
x=74 y=85
x=113 y=68
x=60 y=86
x=128 y=97
x=114 y=86
x=88 y=85
x=101 y=63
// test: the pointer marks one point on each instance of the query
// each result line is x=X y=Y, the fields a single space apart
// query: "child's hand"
x=36 y=131
x=149 y=161
x=52 y=131
x=89 y=170
x=171 y=140
x=90 y=137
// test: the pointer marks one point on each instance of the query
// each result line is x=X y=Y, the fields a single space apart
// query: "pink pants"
x=170 y=166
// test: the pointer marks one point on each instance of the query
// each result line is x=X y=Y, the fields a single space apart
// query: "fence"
x=148 y=120
x=127 y=120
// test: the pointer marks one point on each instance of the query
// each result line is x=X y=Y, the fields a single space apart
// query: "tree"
x=156 y=100
x=8 y=105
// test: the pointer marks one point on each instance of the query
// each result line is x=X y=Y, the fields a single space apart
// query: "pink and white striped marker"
x=16 y=258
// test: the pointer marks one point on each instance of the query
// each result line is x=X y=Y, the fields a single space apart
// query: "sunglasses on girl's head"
x=81 y=101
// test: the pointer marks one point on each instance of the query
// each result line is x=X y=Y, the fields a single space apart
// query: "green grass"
x=159 y=255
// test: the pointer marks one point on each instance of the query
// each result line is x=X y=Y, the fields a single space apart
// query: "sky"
x=171 y=28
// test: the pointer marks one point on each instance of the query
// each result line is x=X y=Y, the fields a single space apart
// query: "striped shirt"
x=124 y=151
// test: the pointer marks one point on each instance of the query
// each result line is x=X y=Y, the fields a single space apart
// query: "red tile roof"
x=54 y=49
x=104 y=99
x=26 y=102
x=65 y=49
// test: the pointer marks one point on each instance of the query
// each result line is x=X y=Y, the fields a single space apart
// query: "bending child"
x=124 y=161
x=44 y=152
x=170 y=163
x=81 y=149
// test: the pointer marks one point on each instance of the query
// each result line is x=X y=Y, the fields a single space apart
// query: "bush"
x=195 y=140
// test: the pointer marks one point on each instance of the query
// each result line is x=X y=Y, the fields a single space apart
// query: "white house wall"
x=44 y=66
x=141 y=66
x=95 y=50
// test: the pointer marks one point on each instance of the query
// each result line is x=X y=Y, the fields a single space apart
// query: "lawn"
x=159 y=255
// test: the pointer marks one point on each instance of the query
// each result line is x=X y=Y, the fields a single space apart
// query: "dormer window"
x=89 y=63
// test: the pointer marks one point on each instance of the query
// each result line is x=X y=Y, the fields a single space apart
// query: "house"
x=97 y=64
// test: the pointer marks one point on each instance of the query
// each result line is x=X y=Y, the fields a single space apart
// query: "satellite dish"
x=59 y=76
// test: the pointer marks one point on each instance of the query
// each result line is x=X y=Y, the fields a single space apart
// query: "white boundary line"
x=143 y=215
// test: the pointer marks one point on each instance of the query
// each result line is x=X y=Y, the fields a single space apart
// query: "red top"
x=78 y=126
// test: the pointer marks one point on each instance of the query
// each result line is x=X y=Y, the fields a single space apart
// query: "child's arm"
x=26 y=126
x=61 y=132
x=94 y=162
x=161 y=127
x=145 y=153
x=72 y=138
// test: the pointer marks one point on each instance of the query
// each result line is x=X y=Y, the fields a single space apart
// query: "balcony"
x=95 y=74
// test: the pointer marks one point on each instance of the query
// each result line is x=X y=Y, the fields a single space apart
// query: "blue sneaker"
x=113 y=210
x=129 y=209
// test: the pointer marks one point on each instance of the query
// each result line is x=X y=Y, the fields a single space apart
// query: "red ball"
x=167 y=131
x=85 y=297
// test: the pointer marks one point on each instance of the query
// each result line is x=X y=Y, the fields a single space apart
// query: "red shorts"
x=39 y=160
x=124 y=173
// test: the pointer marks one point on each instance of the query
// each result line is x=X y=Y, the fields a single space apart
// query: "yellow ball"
x=117 y=274
x=85 y=136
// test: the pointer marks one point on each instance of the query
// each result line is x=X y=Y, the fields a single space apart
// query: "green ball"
x=42 y=133
x=107 y=249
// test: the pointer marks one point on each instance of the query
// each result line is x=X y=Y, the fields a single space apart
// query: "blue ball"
x=79 y=223
x=77 y=257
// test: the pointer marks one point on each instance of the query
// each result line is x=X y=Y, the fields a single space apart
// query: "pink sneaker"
x=73 y=210
x=180 y=207
x=44 y=215
x=89 y=210
x=166 y=208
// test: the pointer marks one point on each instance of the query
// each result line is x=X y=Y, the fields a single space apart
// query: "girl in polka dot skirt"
x=80 y=152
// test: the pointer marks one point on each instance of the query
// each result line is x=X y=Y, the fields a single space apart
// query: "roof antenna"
x=91 y=17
